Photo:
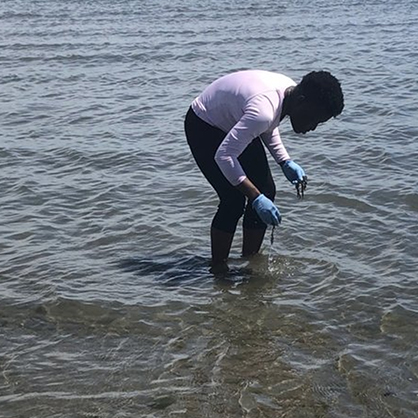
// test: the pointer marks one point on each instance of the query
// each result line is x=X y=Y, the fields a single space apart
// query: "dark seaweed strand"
x=272 y=235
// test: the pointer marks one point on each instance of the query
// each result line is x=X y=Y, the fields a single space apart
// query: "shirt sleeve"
x=274 y=144
x=256 y=119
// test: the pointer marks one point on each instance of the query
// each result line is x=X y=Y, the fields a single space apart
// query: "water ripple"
x=108 y=307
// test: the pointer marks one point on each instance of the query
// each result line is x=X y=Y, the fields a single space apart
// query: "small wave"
x=401 y=322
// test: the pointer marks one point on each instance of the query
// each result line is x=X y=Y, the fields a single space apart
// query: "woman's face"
x=306 y=116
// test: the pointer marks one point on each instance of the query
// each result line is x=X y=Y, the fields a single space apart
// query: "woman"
x=226 y=128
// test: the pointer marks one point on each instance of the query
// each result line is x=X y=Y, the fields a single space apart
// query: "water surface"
x=107 y=308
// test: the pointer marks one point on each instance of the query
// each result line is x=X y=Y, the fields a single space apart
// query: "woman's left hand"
x=293 y=172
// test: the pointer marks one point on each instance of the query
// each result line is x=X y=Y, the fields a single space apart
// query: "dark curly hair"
x=323 y=88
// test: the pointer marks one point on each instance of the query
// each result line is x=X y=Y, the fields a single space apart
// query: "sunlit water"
x=107 y=307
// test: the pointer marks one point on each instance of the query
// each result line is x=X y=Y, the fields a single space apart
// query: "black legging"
x=204 y=141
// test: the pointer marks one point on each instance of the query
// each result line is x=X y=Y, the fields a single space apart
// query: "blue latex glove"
x=267 y=210
x=293 y=172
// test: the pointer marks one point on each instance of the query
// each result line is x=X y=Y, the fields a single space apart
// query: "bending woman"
x=227 y=127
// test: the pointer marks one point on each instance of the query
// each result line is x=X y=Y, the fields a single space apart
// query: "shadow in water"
x=183 y=270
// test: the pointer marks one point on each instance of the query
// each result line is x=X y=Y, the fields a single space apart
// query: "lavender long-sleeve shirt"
x=245 y=105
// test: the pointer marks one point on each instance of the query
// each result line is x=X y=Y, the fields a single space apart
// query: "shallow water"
x=107 y=307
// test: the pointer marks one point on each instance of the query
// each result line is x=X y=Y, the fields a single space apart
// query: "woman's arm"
x=247 y=188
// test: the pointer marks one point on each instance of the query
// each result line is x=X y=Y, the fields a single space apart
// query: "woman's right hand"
x=267 y=210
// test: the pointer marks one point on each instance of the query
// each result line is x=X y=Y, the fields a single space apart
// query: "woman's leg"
x=204 y=141
x=256 y=167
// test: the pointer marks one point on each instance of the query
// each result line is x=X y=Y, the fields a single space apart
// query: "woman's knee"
x=228 y=214
x=269 y=190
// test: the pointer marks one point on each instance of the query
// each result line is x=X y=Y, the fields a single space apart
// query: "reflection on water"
x=168 y=271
